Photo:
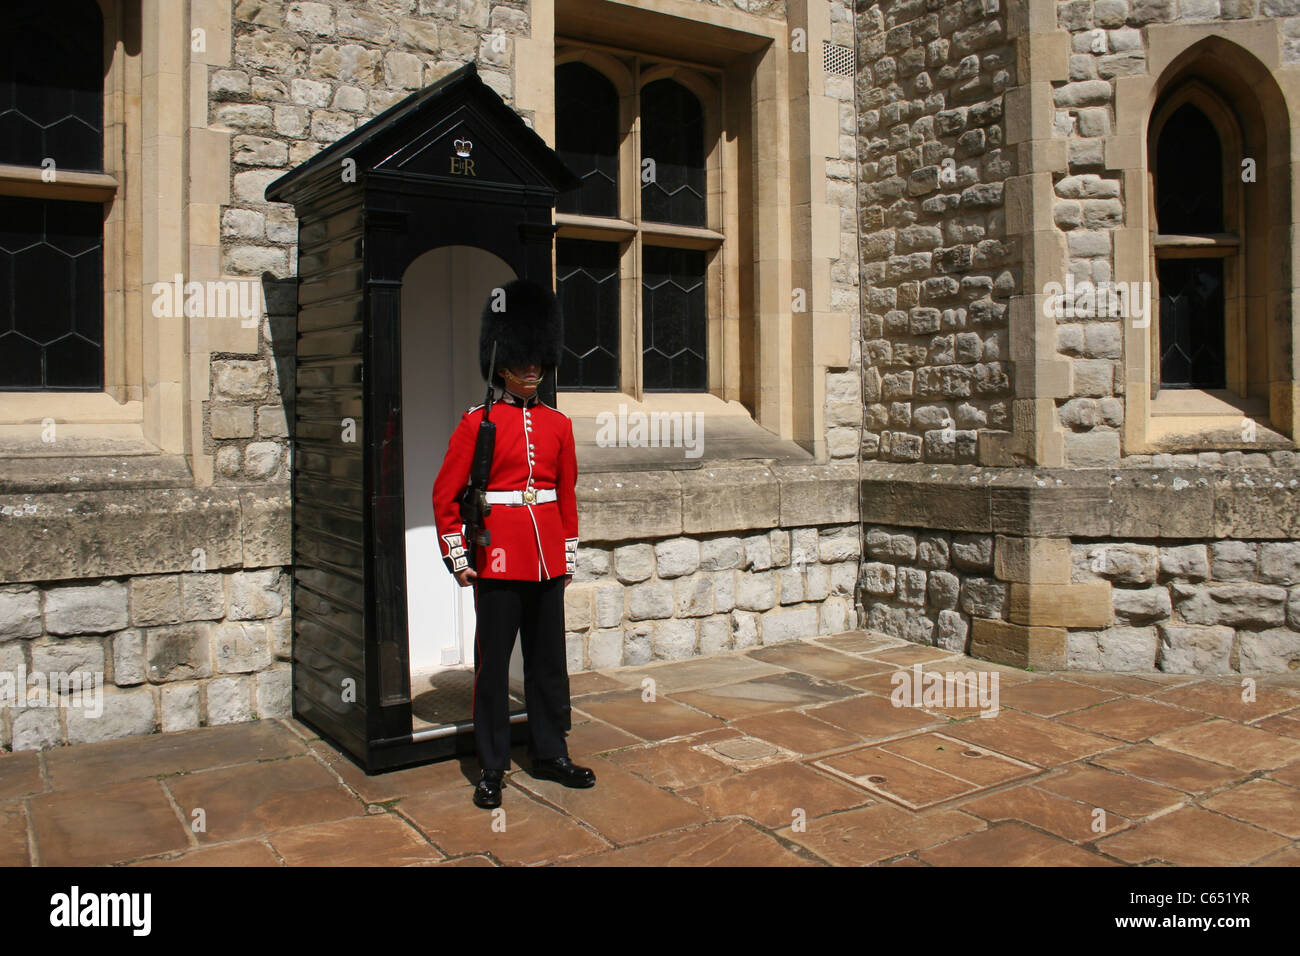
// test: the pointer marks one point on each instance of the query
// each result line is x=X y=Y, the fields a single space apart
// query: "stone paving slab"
x=787 y=755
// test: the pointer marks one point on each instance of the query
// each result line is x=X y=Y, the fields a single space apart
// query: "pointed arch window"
x=637 y=254
x=1198 y=244
x=51 y=241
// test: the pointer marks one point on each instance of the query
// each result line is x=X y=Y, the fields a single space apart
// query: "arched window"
x=1189 y=205
x=634 y=277
x=586 y=137
x=672 y=143
x=51 y=249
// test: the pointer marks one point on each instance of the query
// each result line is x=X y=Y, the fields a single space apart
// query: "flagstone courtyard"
x=792 y=754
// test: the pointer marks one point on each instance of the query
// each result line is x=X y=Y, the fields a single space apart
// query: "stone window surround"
x=157 y=137
x=795 y=230
x=1169 y=48
x=628 y=229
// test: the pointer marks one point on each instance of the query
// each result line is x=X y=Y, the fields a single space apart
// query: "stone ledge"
x=1128 y=503
x=74 y=535
x=43 y=475
x=664 y=504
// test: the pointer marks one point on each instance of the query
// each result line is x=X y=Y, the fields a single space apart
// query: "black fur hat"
x=523 y=318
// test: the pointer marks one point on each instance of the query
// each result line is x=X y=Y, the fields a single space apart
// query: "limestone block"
x=983 y=597
x=1191 y=649
x=718 y=554
x=1123 y=649
x=634 y=562
x=1234 y=561
x=592 y=563
x=1279 y=562
x=879 y=578
x=605 y=648
x=609 y=605
x=756 y=592
x=93 y=609
x=230 y=700
x=839 y=544
x=577 y=607
x=972 y=552
x=178 y=706
x=1125 y=563
x=932 y=550
x=178 y=652
x=68 y=656
x=1140 y=605
x=1032 y=560
x=36 y=728
x=942 y=590
x=156 y=599
x=256 y=595
x=20 y=612
x=911 y=586
x=674 y=640
x=1190 y=562
x=126 y=713
x=694 y=596
x=834 y=616
x=128 y=658
x=637 y=647
x=1236 y=605
x=758 y=553
x=777 y=627
x=951 y=631
x=724 y=591
x=744 y=629
x=275 y=692
x=241 y=648
x=1018 y=645
x=650 y=601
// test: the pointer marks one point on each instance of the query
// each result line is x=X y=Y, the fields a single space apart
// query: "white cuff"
x=570 y=555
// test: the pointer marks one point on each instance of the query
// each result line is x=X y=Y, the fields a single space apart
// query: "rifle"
x=474 y=507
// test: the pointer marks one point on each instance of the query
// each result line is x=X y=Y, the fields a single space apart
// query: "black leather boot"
x=563 y=770
x=487 y=794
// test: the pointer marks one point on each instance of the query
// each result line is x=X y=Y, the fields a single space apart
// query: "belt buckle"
x=530 y=496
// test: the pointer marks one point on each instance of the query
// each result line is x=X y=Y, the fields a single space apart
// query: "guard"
x=507 y=520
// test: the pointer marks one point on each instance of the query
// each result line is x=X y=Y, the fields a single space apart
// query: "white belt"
x=537 y=496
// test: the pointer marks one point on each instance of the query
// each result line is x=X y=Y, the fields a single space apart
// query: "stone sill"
x=1129 y=503
x=120 y=533
x=48 y=475
x=637 y=506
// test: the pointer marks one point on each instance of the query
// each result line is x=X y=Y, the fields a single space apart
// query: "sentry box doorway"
x=405 y=226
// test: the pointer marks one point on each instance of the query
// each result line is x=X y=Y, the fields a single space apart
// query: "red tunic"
x=534 y=449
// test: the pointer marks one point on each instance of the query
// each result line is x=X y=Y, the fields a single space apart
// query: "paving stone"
x=1051 y=697
x=1132 y=719
x=106 y=824
x=879 y=832
x=874 y=718
x=1288 y=724
x=252 y=799
x=1068 y=819
x=722 y=843
x=532 y=833
x=817 y=661
x=797 y=732
x=595 y=736
x=186 y=751
x=1030 y=738
x=1011 y=844
x=687 y=675
x=1225 y=742
x=20 y=775
x=907 y=656
x=1116 y=793
x=1158 y=765
x=678 y=764
x=1192 y=837
x=591 y=682
x=380 y=839
x=244 y=853
x=1224 y=699
x=657 y=720
x=13 y=836
x=604 y=807
x=1269 y=805
x=772 y=795
x=783 y=691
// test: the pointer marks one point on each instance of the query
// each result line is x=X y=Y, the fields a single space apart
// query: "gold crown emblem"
x=463 y=147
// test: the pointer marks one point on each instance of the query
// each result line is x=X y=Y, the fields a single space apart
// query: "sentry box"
x=405 y=226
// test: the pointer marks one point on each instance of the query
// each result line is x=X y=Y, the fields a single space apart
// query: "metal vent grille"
x=837 y=59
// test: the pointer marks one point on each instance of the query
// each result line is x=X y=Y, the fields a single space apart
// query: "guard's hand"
x=567 y=579
x=466 y=577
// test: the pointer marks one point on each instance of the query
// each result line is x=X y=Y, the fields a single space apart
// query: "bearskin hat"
x=523 y=318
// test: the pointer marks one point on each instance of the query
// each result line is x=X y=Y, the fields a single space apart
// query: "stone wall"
x=687 y=596
x=1215 y=607
x=938 y=262
x=173 y=651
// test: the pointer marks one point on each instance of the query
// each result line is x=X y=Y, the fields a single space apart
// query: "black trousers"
x=535 y=610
